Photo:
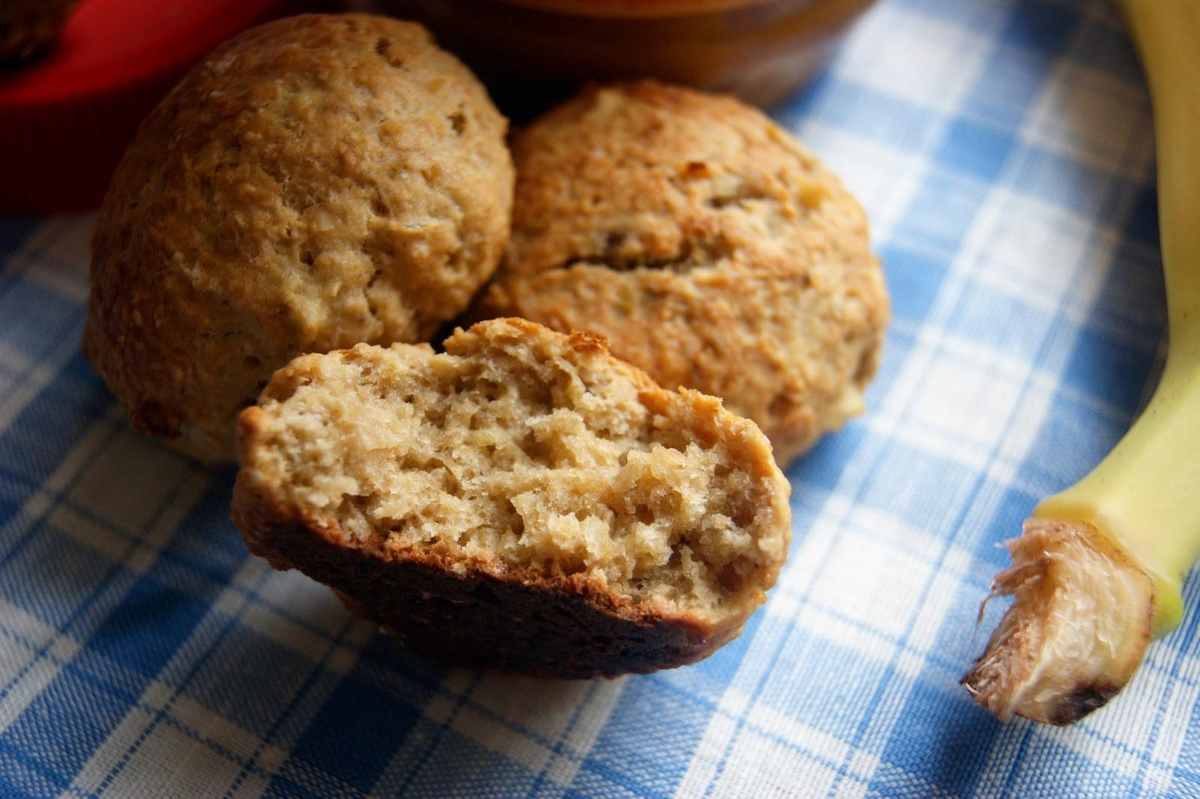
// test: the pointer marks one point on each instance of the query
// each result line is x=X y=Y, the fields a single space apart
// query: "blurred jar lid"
x=628 y=9
x=532 y=53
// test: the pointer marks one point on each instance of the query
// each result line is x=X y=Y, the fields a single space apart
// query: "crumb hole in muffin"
x=458 y=121
x=780 y=404
x=383 y=46
x=725 y=197
x=730 y=578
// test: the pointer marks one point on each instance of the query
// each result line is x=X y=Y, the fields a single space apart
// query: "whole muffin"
x=29 y=27
x=708 y=246
x=316 y=182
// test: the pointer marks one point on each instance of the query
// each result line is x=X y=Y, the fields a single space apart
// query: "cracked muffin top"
x=706 y=244
x=316 y=182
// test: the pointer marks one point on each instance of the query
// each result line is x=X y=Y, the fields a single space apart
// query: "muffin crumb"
x=521 y=464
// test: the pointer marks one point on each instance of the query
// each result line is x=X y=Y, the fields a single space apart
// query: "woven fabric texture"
x=1004 y=151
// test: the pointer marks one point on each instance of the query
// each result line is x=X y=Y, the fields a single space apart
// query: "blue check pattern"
x=1004 y=151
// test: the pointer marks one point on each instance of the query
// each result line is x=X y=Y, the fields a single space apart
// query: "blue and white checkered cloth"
x=1004 y=151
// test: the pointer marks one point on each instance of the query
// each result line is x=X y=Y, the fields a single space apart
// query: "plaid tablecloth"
x=1004 y=151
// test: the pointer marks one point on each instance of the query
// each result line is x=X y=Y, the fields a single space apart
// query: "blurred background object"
x=29 y=27
x=532 y=52
x=69 y=107
x=66 y=117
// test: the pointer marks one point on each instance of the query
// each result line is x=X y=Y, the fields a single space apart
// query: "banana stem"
x=1098 y=569
x=1167 y=33
x=1141 y=495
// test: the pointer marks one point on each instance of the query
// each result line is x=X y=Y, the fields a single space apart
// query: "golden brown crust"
x=477 y=614
x=484 y=609
x=315 y=182
x=706 y=245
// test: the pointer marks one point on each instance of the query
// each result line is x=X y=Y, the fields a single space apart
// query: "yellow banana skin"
x=1098 y=569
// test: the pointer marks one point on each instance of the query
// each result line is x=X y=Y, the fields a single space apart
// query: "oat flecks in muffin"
x=523 y=501
x=316 y=182
x=707 y=245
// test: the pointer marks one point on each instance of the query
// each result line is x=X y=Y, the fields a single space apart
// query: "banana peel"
x=1098 y=569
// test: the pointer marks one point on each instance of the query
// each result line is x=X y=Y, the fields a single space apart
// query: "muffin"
x=29 y=27
x=314 y=183
x=709 y=247
x=522 y=501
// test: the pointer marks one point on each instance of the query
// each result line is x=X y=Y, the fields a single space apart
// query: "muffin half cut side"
x=523 y=501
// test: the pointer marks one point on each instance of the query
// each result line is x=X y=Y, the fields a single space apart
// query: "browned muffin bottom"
x=316 y=182
x=523 y=501
x=29 y=27
x=707 y=245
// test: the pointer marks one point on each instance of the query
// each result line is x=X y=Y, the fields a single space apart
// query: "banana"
x=1097 y=571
